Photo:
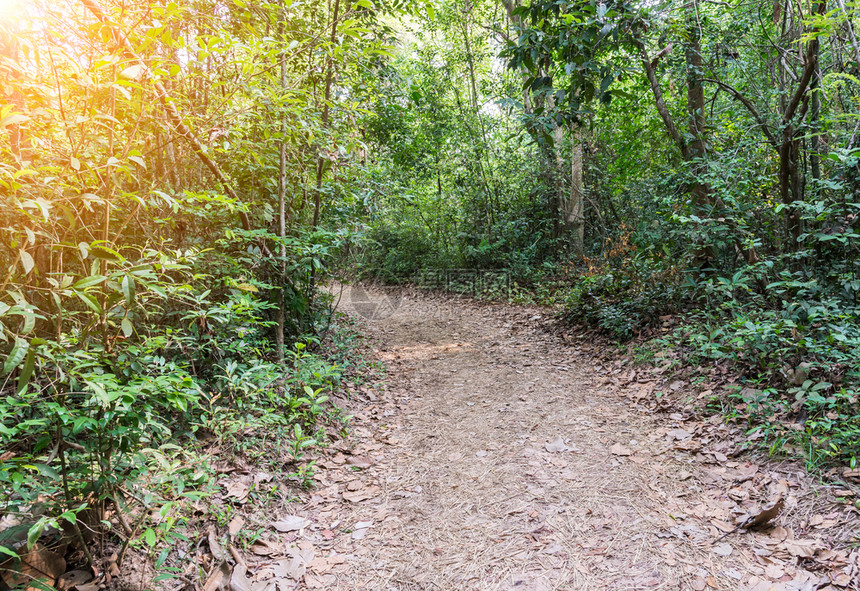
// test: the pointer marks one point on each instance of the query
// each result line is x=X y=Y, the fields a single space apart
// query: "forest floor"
x=501 y=456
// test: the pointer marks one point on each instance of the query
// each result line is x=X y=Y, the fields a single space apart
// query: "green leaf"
x=149 y=537
x=13 y=119
x=8 y=552
x=105 y=253
x=138 y=160
x=128 y=289
x=19 y=351
x=26 y=372
x=127 y=328
x=90 y=281
x=34 y=533
x=29 y=321
x=27 y=261
x=131 y=72
x=46 y=470
x=90 y=301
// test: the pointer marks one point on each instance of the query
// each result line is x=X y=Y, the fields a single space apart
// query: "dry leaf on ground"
x=290 y=523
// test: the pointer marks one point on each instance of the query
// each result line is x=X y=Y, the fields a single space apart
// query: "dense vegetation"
x=178 y=179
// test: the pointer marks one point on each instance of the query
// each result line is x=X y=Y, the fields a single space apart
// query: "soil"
x=498 y=456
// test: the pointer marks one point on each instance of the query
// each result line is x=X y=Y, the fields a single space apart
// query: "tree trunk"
x=573 y=205
x=325 y=114
x=282 y=190
x=697 y=147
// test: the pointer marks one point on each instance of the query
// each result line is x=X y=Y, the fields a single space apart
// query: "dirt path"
x=496 y=460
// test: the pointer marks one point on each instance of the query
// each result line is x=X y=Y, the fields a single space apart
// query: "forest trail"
x=493 y=459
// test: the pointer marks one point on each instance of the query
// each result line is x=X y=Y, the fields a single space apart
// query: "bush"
x=624 y=292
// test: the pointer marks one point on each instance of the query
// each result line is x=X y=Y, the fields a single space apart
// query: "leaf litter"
x=641 y=505
x=409 y=502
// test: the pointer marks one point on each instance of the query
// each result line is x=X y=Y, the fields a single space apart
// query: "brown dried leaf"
x=291 y=523
x=361 y=495
x=767 y=514
x=218 y=578
x=215 y=546
x=39 y=564
x=73 y=578
x=679 y=434
x=236 y=525
x=263 y=548
x=239 y=581
x=620 y=450
x=237 y=489
x=362 y=462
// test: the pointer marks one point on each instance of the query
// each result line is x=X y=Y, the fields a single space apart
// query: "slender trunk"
x=815 y=140
x=471 y=61
x=325 y=115
x=696 y=106
x=560 y=196
x=574 y=206
x=282 y=190
x=170 y=158
x=790 y=174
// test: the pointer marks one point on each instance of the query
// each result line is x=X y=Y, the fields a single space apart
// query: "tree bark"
x=282 y=188
x=325 y=115
x=697 y=147
x=573 y=208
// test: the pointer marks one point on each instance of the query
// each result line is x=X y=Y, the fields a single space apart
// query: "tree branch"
x=662 y=109
x=808 y=68
x=750 y=107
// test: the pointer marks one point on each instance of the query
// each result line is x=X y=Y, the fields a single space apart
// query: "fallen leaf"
x=767 y=513
x=361 y=495
x=722 y=549
x=679 y=434
x=320 y=581
x=359 y=462
x=73 y=578
x=291 y=523
x=620 y=450
x=239 y=581
x=556 y=445
x=215 y=546
x=236 y=525
x=293 y=568
x=698 y=584
x=218 y=579
x=38 y=565
x=237 y=489
x=263 y=548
